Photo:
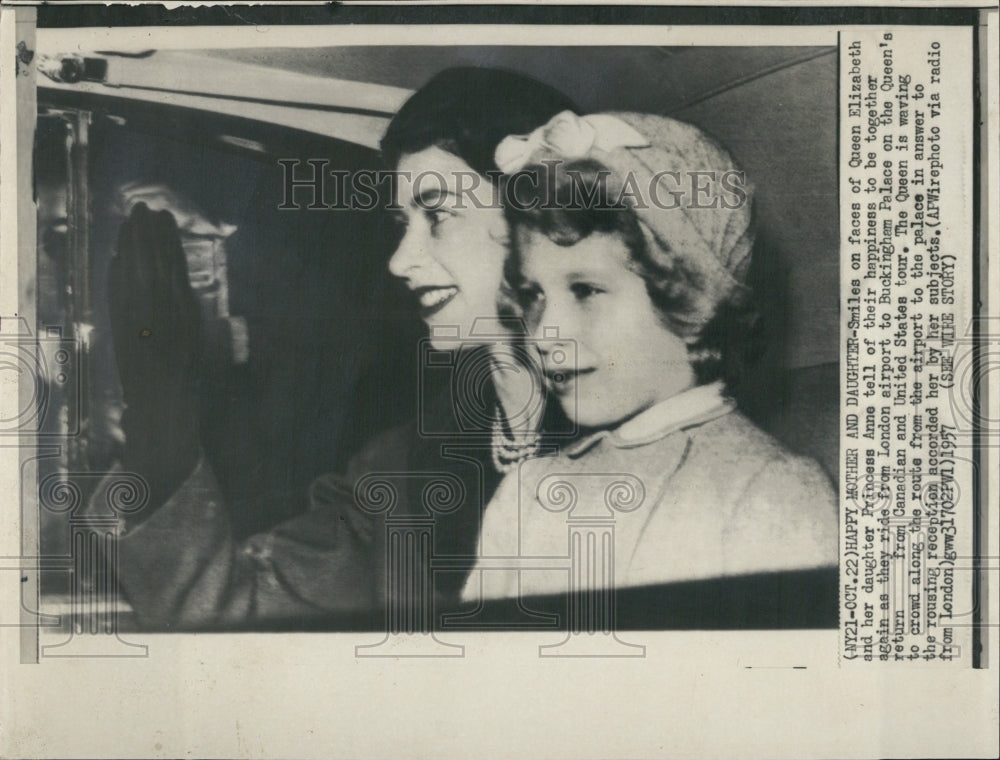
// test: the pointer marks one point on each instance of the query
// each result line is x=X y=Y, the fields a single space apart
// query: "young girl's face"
x=613 y=357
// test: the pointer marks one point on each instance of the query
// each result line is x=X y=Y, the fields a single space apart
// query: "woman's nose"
x=408 y=254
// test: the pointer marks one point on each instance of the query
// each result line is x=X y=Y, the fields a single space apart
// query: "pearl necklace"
x=510 y=450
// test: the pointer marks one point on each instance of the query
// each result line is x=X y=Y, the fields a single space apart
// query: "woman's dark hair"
x=570 y=201
x=467 y=111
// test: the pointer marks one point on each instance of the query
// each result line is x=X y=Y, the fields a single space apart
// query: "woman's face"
x=454 y=245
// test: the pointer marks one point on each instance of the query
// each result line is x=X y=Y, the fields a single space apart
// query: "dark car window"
x=309 y=341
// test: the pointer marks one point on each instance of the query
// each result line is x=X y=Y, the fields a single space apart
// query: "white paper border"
x=695 y=694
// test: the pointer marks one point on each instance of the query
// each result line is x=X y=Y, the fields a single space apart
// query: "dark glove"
x=156 y=326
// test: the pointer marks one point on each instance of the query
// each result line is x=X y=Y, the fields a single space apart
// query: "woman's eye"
x=436 y=217
x=583 y=290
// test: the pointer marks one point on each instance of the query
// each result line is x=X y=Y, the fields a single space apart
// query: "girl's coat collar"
x=685 y=410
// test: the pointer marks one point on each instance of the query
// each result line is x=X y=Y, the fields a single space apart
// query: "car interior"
x=313 y=347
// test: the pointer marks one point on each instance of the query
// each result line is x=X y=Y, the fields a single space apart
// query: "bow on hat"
x=660 y=158
x=568 y=136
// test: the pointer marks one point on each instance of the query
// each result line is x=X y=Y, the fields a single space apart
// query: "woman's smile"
x=434 y=298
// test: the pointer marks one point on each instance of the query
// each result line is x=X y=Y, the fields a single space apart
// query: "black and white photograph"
x=487 y=308
x=620 y=349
